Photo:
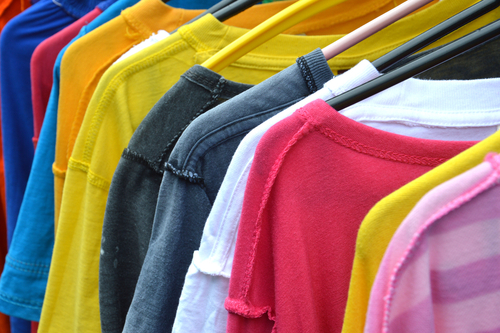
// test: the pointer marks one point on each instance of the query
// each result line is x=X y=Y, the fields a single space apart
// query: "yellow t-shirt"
x=383 y=220
x=123 y=97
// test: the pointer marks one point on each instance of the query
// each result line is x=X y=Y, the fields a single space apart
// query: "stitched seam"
x=305 y=129
x=84 y=101
x=192 y=177
x=137 y=24
x=26 y=263
x=240 y=120
x=36 y=271
x=368 y=150
x=473 y=192
x=139 y=158
x=215 y=95
x=22 y=302
x=193 y=41
x=307 y=74
x=92 y=177
x=241 y=308
x=58 y=172
x=111 y=89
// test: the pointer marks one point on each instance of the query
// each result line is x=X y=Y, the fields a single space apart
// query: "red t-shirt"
x=8 y=10
x=314 y=177
x=42 y=65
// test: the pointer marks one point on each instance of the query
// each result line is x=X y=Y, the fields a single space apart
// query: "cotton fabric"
x=36 y=216
x=18 y=40
x=372 y=241
x=8 y=10
x=22 y=285
x=281 y=291
x=133 y=193
x=194 y=172
x=87 y=59
x=201 y=304
x=148 y=84
x=450 y=237
x=42 y=64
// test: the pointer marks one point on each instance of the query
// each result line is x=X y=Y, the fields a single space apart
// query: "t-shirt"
x=42 y=64
x=372 y=241
x=440 y=270
x=133 y=192
x=8 y=10
x=314 y=177
x=201 y=304
x=99 y=151
x=18 y=40
x=194 y=172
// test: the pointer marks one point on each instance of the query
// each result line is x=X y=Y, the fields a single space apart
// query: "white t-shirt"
x=153 y=39
x=439 y=110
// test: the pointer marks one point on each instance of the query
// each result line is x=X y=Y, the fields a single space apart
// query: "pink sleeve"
x=251 y=300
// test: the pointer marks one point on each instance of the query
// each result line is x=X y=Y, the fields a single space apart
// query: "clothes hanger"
x=295 y=13
x=372 y=27
x=233 y=9
x=212 y=10
x=391 y=59
x=418 y=66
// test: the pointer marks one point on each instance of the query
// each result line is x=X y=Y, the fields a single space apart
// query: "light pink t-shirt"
x=441 y=271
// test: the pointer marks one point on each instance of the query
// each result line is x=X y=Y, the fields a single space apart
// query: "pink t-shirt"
x=315 y=176
x=42 y=65
x=441 y=270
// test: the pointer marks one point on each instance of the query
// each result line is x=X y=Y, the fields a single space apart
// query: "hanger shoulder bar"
x=417 y=66
x=297 y=12
x=430 y=36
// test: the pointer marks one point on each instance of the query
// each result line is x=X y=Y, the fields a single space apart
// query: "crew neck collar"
x=378 y=143
x=151 y=15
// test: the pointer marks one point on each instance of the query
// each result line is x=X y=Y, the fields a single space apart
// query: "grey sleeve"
x=128 y=221
x=181 y=212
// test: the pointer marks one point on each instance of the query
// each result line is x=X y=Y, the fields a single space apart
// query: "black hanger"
x=390 y=60
x=225 y=9
x=218 y=6
x=445 y=53
x=234 y=8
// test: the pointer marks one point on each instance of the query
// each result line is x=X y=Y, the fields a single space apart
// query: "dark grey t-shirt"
x=195 y=170
x=131 y=204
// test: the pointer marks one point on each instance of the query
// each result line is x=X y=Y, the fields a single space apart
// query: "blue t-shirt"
x=19 y=39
